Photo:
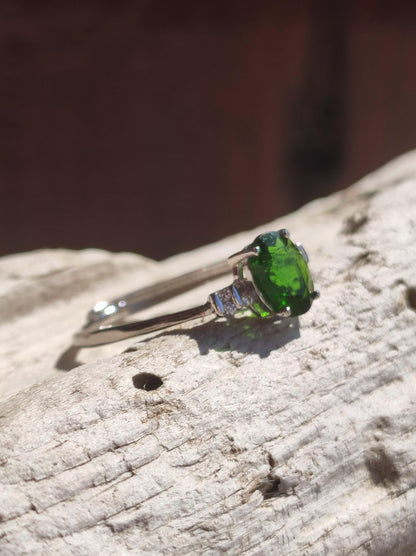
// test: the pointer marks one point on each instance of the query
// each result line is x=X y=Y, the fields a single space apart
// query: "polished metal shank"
x=106 y=321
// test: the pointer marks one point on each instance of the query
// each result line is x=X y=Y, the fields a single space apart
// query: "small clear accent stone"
x=223 y=301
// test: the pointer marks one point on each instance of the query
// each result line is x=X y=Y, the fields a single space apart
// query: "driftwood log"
x=219 y=437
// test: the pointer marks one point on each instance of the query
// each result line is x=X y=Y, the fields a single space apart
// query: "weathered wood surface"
x=262 y=438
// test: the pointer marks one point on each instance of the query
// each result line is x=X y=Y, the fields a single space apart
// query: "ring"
x=270 y=277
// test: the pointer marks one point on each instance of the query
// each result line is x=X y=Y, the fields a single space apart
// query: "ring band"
x=270 y=277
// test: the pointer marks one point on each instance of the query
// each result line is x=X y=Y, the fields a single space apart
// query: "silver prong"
x=285 y=233
x=302 y=252
x=285 y=314
x=237 y=272
x=315 y=294
x=242 y=255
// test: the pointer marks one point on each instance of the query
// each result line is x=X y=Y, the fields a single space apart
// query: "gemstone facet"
x=281 y=274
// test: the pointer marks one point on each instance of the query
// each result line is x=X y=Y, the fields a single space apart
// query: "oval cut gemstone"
x=281 y=274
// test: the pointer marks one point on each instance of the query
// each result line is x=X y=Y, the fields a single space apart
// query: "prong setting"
x=243 y=255
x=284 y=314
x=302 y=251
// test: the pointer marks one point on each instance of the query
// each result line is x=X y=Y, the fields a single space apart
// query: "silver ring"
x=271 y=278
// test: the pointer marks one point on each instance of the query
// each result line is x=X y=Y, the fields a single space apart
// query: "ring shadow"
x=247 y=335
x=68 y=359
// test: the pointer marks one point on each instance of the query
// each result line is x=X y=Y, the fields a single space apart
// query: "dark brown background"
x=157 y=126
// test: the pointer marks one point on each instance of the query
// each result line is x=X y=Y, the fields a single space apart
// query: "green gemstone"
x=281 y=275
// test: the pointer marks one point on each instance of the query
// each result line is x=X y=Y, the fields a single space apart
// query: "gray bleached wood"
x=262 y=438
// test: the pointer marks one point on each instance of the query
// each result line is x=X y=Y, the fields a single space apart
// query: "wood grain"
x=257 y=438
